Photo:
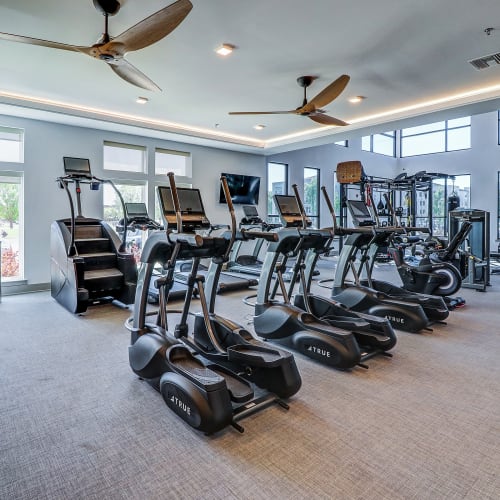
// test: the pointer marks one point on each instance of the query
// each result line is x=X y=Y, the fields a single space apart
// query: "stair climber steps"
x=99 y=280
x=85 y=231
x=98 y=260
x=92 y=245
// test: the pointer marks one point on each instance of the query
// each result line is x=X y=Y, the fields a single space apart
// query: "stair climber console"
x=89 y=264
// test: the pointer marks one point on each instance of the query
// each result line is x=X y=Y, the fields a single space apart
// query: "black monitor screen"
x=250 y=211
x=165 y=199
x=287 y=205
x=359 y=209
x=189 y=201
x=244 y=189
x=76 y=166
x=136 y=210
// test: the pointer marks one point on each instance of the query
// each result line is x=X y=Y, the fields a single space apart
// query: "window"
x=11 y=144
x=11 y=226
x=311 y=194
x=177 y=162
x=344 y=143
x=438 y=137
x=124 y=157
x=277 y=183
x=442 y=189
x=384 y=143
x=113 y=212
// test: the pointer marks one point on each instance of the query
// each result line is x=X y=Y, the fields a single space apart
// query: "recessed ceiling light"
x=356 y=99
x=259 y=127
x=225 y=49
x=141 y=100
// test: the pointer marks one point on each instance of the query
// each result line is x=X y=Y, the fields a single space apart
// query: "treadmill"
x=227 y=282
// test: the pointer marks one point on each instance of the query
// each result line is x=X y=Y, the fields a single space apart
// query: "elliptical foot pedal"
x=184 y=363
x=240 y=391
x=254 y=355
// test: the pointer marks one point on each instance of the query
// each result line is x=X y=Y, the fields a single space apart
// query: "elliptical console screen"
x=77 y=166
x=289 y=210
x=287 y=205
x=360 y=214
x=136 y=210
x=250 y=211
x=191 y=206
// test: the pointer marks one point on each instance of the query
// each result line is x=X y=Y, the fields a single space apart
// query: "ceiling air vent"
x=486 y=61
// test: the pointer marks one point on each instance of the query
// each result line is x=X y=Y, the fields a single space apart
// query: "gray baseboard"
x=22 y=287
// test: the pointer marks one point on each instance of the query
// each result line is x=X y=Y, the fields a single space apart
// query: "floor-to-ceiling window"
x=311 y=194
x=442 y=189
x=11 y=225
x=277 y=183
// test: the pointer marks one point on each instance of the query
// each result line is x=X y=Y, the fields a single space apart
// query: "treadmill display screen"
x=77 y=166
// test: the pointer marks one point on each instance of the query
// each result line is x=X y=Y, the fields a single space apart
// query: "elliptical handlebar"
x=252 y=235
x=330 y=208
x=301 y=206
x=175 y=200
x=230 y=205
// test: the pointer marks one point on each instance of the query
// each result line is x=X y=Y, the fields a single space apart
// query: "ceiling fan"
x=112 y=50
x=312 y=109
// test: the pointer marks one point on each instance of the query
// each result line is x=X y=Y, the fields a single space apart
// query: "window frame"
x=445 y=130
x=391 y=134
x=120 y=145
x=10 y=177
x=274 y=217
x=313 y=217
x=20 y=134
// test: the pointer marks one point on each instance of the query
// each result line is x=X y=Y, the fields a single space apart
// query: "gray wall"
x=45 y=145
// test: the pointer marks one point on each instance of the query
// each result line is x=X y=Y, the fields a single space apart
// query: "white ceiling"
x=399 y=53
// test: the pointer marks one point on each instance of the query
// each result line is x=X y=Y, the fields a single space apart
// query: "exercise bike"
x=434 y=274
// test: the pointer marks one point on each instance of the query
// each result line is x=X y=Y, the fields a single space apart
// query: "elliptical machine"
x=283 y=322
x=374 y=335
x=207 y=395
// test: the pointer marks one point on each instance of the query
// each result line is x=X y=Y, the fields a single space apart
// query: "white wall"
x=45 y=145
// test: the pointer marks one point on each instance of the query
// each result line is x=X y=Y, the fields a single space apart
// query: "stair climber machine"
x=374 y=335
x=432 y=281
x=281 y=321
x=402 y=314
x=220 y=374
x=89 y=263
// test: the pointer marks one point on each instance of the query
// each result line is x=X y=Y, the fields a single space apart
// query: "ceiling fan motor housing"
x=110 y=7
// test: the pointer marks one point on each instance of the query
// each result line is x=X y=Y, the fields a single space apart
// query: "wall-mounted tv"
x=244 y=189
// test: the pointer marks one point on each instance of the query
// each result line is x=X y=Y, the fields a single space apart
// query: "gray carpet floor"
x=76 y=423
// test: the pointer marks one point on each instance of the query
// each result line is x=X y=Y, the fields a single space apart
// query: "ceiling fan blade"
x=43 y=43
x=327 y=120
x=262 y=112
x=154 y=27
x=132 y=75
x=328 y=94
